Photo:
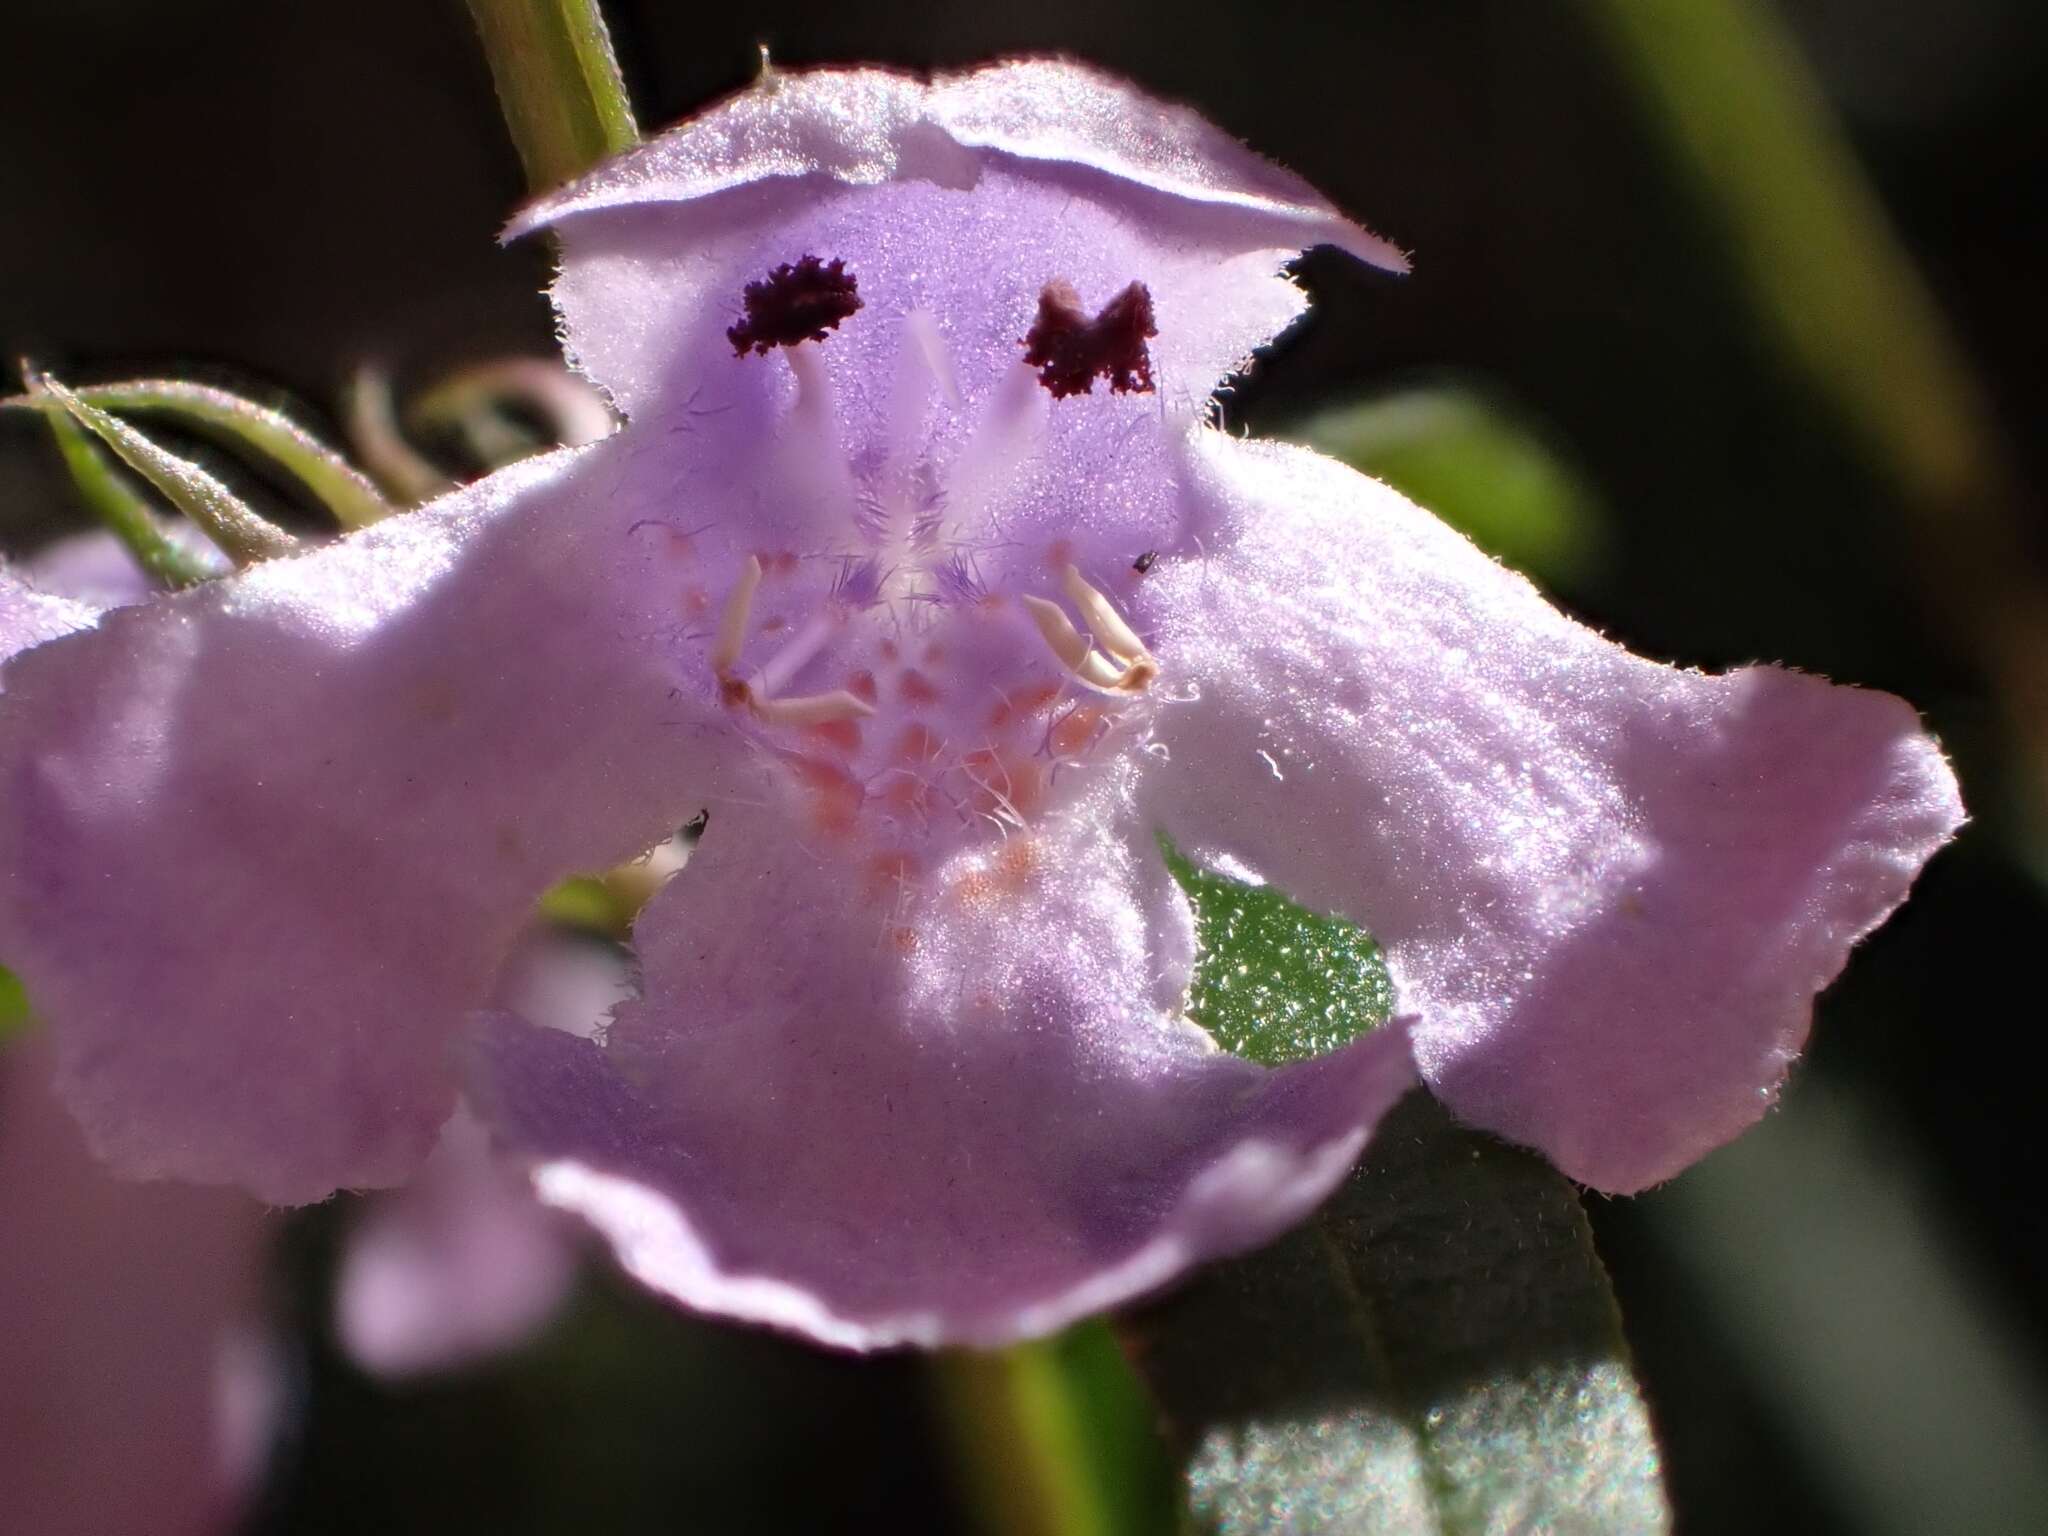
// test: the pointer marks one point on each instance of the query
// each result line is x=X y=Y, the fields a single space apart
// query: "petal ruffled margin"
x=1101 y=185
x=1609 y=889
x=266 y=843
x=971 y=1119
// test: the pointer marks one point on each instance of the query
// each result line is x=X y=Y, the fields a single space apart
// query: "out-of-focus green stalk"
x=558 y=85
x=1833 y=286
x=1056 y=1438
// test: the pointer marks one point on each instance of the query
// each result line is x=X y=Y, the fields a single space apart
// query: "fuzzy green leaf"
x=1436 y=1350
x=242 y=536
x=115 y=503
x=338 y=486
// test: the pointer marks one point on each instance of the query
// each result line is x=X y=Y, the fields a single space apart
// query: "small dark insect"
x=693 y=829
x=1144 y=562
x=799 y=301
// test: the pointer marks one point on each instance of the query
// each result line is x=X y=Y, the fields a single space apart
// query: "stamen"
x=1010 y=420
x=1127 y=674
x=797 y=302
x=1102 y=619
x=811 y=708
x=732 y=624
x=790 y=660
x=1067 y=642
x=1071 y=351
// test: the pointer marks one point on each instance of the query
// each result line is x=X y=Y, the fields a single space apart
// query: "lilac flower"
x=139 y=1395
x=456 y=1266
x=918 y=569
x=463 y=1262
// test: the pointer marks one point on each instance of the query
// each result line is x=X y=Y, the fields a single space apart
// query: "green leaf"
x=228 y=521
x=1436 y=1350
x=558 y=85
x=114 y=503
x=1477 y=467
x=241 y=423
x=1056 y=1438
x=1273 y=982
x=14 y=1019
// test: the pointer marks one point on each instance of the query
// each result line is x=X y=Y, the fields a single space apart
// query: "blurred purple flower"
x=140 y=1393
x=917 y=566
x=460 y=1263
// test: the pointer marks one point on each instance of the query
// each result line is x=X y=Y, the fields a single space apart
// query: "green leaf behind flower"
x=1436 y=1350
x=14 y=1017
x=1480 y=468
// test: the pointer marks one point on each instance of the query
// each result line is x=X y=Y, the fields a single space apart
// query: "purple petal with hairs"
x=939 y=653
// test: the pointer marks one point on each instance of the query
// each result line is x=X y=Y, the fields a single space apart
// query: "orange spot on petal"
x=840 y=735
x=915 y=688
x=918 y=744
x=862 y=686
x=1022 y=704
x=1072 y=732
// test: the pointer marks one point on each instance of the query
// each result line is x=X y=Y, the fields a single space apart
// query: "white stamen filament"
x=1067 y=642
x=922 y=331
x=810 y=708
x=813 y=385
x=1014 y=411
x=1128 y=668
x=1103 y=621
x=732 y=624
x=774 y=676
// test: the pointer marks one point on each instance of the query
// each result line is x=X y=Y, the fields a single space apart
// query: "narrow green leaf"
x=228 y=521
x=558 y=85
x=1436 y=1351
x=230 y=418
x=115 y=504
x=1056 y=1438
x=14 y=1019
x=1477 y=467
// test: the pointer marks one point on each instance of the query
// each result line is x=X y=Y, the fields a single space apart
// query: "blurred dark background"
x=270 y=193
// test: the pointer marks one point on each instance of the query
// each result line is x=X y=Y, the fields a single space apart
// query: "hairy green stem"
x=558 y=85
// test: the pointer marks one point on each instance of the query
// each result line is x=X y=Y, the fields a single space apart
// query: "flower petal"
x=28 y=616
x=464 y=1262
x=135 y=1400
x=963 y=198
x=459 y=1264
x=96 y=567
x=266 y=843
x=969 y=1119
x=1609 y=889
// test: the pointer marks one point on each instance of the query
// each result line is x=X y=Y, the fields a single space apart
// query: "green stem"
x=1840 y=297
x=1056 y=1438
x=558 y=85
